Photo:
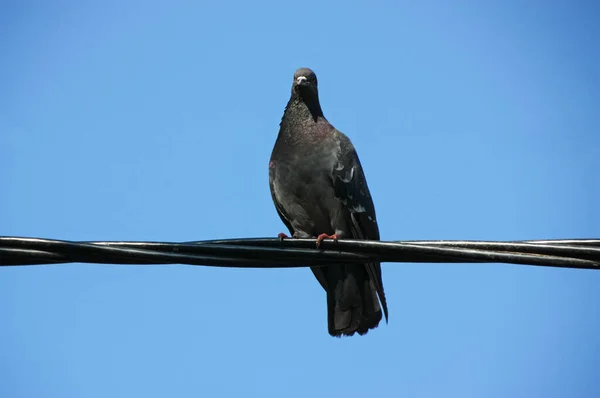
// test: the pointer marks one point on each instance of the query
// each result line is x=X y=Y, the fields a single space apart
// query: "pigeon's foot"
x=325 y=236
x=283 y=236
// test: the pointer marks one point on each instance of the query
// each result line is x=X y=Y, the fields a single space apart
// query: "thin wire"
x=274 y=253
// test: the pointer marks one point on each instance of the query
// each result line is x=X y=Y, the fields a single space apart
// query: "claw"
x=282 y=236
x=320 y=238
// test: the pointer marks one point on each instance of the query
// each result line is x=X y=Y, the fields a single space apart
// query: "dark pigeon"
x=320 y=190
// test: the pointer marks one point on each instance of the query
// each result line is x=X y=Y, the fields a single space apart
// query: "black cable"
x=274 y=253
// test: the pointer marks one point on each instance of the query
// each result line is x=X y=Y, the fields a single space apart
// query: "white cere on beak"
x=300 y=79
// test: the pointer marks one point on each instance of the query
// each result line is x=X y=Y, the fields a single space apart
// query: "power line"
x=274 y=253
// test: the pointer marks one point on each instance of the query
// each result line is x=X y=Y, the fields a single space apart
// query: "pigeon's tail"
x=352 y=304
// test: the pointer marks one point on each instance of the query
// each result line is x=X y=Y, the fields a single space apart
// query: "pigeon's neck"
x=302 y=126
x=299 y=111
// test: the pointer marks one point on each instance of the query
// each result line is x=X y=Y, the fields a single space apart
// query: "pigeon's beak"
x=301 y=81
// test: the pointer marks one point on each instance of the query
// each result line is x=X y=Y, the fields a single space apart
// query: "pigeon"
x=320 y=191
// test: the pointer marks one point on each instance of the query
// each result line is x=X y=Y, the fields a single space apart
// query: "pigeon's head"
x=305 y=84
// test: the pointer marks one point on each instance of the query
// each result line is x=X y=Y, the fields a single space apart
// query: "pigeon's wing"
x=278 y=206
x=350 y=187
x=316 y=270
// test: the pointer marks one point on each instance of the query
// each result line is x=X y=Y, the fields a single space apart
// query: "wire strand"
x=275 y=253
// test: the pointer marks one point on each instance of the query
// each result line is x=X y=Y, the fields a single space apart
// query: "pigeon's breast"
x=302 y=184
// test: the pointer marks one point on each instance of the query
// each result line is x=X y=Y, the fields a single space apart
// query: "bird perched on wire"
x=319 y=189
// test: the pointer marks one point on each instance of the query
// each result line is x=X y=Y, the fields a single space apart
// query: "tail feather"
x=352 y=303
x=371 y=310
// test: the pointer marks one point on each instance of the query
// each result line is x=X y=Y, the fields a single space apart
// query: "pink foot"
x=282 y=236
x=325 y=236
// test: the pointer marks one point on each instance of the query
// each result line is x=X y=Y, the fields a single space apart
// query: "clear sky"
x=155 y=121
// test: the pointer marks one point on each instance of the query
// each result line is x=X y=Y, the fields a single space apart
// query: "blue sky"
x=155 y=121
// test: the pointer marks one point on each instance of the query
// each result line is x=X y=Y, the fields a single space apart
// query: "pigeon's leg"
x=283 y=236
x=325 y=236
